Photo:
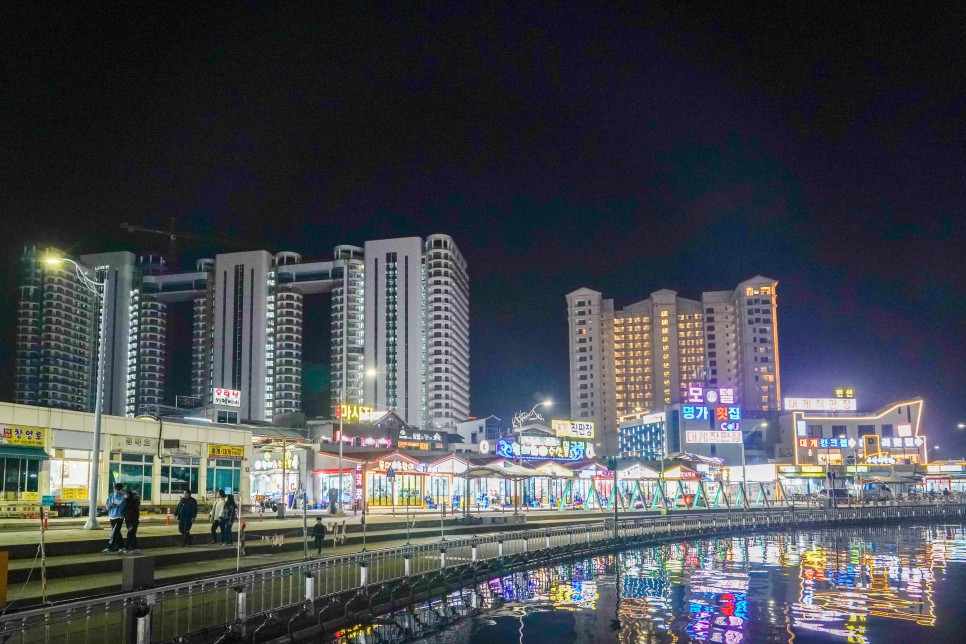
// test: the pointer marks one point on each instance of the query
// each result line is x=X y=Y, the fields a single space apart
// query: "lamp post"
x=518 y=422
x=355 y=383
x=91 y=523
x=744 y=474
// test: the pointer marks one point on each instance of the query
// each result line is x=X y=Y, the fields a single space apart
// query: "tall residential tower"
x=645 y=356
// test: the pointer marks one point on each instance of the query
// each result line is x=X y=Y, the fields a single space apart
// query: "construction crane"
x=173 y=234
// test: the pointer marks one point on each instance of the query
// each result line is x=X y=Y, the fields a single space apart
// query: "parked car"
x=877 y=492
x=840 y=494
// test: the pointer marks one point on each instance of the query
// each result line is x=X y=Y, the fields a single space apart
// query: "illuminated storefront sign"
x=689 y=412
x=900 y=443
x=820 y=404
x=226 y=451
x=703 y=396
x=353 y=412
x=880 y=459
x=712 y=437
x=544 y=447
x=22 y=435
x=826 y=443
x=573 y=429
x=419 y=436
x=397 y=466
x=271 y=461
x=226 y=397
x=845 y=392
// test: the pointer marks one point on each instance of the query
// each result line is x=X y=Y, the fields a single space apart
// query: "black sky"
x=560 y=145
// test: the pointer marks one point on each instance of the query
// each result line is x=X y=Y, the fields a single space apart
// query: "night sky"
x=560 y=145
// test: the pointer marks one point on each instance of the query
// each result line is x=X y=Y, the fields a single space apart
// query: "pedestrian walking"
x=185 y=513
x=318 y=532
x=116 y=501
x=228 y=516
x=132 y=517
x=217 y=509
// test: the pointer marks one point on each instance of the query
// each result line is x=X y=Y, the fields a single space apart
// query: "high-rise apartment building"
x=400 y=306
x=644 y=357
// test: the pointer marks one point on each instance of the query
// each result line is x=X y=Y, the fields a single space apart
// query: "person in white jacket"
x=217 y=509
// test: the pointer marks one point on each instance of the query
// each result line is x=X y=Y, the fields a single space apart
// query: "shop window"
x=134 y=471
x=180 y=473
x=223 y=474
x=18 y=475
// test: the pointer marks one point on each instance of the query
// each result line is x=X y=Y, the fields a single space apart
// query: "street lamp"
x=368 y=373
x=744 y=474
x=91 y=523
x=519 y=420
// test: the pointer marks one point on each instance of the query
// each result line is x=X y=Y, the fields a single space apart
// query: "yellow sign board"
x=22 y=435
x=583 y=430
x=352 y=412
x=226 y=451
x=73 y=494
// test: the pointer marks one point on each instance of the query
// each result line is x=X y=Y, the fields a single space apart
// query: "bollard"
x=310 y=591
x=442 y=558
x=241 y=607
x=260 y=512
x=407 y=565
x=143 y=627
x=363 y=575
x=167 y=516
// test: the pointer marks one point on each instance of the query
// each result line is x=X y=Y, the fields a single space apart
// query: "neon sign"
x=544 y=447
x=700 y=395
x=712 y=436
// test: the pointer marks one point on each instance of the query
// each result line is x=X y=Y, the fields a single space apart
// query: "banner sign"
x=226 y=451
x=22 y=435
x=227 y=397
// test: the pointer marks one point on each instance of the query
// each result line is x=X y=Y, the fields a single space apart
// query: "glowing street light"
x=100 y=291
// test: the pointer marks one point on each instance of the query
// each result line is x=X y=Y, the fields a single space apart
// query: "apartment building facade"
x=644 y=357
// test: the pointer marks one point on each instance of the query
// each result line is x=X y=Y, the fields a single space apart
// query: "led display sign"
x=352 y=412
x=707 y=437
x=583 y=430
x=820 y=404
x=845 y=392
x=897 y=443
x=544 y=448
x=826 y=443
x=704 y=396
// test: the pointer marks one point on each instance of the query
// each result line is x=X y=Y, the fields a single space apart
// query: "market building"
x=47 y=452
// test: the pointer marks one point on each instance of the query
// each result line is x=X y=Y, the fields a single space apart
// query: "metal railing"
x=247 y=600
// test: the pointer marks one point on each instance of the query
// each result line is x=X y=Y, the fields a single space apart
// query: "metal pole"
x=283 y=503
x=91 y=523
x=305 y=525
x=345 y=367
x=744 y=477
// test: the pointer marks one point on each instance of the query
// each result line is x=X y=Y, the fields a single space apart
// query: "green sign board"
x=47 y=501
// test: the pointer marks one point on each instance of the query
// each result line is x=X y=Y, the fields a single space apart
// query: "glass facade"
x=134 y=471
x=19 y=477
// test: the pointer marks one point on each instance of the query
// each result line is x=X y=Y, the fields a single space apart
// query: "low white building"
x=47 y=452
x=892 y=435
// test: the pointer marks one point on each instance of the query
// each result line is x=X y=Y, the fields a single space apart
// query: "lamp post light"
x=519 y=420
x=100 y=291
x=368 y=373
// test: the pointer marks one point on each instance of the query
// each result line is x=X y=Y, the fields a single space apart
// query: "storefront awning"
x=23 y=451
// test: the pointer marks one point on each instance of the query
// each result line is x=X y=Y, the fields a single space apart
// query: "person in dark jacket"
x=185 y=513
x=318 y=532
x=228 y=516
x=132 y=516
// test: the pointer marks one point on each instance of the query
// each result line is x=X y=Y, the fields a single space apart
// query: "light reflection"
x=846 y=585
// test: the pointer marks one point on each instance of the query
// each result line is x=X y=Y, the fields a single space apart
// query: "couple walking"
x=123 y=509
x=223 y=513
